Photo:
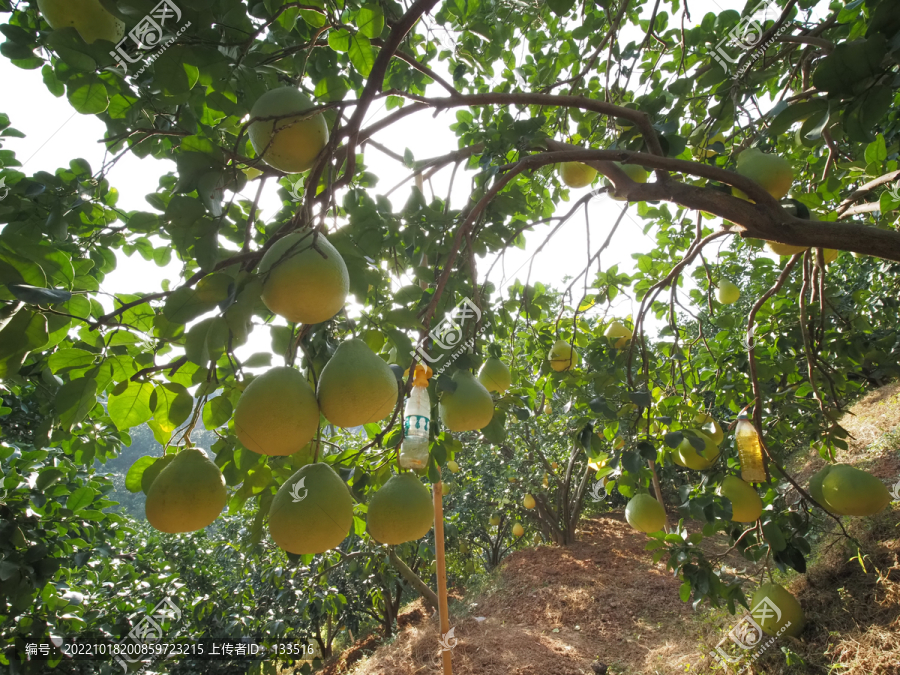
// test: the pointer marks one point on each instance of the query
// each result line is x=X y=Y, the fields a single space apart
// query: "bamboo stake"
x=442 y=574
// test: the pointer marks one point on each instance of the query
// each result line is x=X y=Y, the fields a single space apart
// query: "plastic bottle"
x=753 y=468
x=416 y=423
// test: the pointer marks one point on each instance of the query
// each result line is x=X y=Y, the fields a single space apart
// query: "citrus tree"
x=711 y=136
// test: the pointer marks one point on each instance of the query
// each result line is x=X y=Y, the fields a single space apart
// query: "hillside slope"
x=602 y=603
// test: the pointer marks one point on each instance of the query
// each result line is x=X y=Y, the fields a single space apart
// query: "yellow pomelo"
x=618 y=443
x=495 y=376
x=401 y=510
x=773 y=173
x=187 y=495
x=746 y=506
x=548 y=409
x=617 y=330
x=644 y=513
x=529 y=502
x=576 y=174
x=277 y=413
x=710 y=427
x=686 y=454
x=769 y=595
x=563 y=356
x=290 y=144
x=312 y=511
x=88 y=17
x=518 y=530
x=446 y=489
x=453 y=466
x=470 y=407
x=495 y=521
x=356 y=387
x=707 y=150
x=727 y=292
x=829 y=255
x=784 y=249
x=301 y=283
x=636 y=173
x=151 y=472
x=853 y=492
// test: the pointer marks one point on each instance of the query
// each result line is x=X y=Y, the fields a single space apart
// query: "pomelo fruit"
x=495 y=521
x=686 y=454
x=446 y=488
x=617 y=330
x=746 y=506
x=773 y=173
x=470 y=407
x=563 y=356
x=548 y=409
x=312 y=511
x=495 y=376
x=644 y=513
x=356 y=387
x=853 y=492
x=706 y=148
x=829 y=255
x=529 y=502
x=518 y=530
x=277 y=413
x=290 y=144
x=302 y=284
x=187 y=495
x=727 y=292
x=710 y=427
x=784 y=249
x=576 y=174
x=453 y=466
x=766 y=616
x=401 y=510
x=88 y=17
x=636 y=173
x=815 y=483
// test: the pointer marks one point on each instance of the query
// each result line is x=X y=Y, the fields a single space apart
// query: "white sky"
x=55 y=133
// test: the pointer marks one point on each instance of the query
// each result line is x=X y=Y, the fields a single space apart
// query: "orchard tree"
x=790 y=137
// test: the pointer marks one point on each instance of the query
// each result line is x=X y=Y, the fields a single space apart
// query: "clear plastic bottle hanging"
x=417 y=422
x=753 y=468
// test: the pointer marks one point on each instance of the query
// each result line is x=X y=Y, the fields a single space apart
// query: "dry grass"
x=559 y=611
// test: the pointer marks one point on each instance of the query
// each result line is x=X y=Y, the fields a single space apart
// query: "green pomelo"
x=470 y=407
x=686 y=454
x=495 y=376
x=727 y=292
x=767 y=616
x=815 y=483
x=290 y=144
x=646 y=514
x=710 y=427
x=617 y=330
x=576 y=174
x=401 y=511
x=356 y=387
x=312 y=512
x=563 y=356
x=852 y=492
x=784 y=249
x=636 y=173
x=773 y=173
x=88 y=17
x=152 y=472
x=278 y=413
x=301 y=283
x=746 y=506
x=187 y=495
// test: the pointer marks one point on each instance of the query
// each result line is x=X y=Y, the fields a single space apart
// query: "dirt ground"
x=602 y=603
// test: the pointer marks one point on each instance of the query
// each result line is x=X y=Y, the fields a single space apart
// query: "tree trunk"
x=413 y=580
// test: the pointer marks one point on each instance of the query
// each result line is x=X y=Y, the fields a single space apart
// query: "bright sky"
x=55 y=134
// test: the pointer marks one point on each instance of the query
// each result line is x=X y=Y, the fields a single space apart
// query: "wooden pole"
x=441 y=573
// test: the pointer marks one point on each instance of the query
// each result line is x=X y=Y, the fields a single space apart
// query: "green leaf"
x=560 y=7
x=685 y=591
x=185 y=305
x=48 y=477
x=38 y=296
x=216 y=412
x=362 y=55
x=70 y=357
x=370 y=20
x=174 y=405
x=129 y=406
x=90 y=98
x=136 y=472
x=74 y=401
x=339 y=40
x=82 y=497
